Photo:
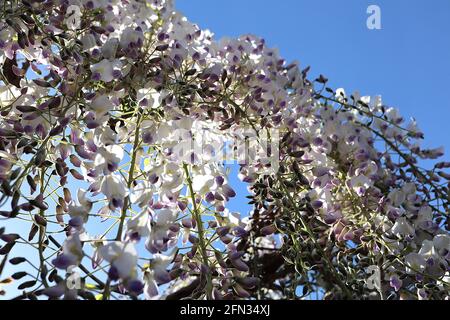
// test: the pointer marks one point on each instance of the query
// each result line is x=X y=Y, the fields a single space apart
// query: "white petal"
x=415 y=262
x=202 y=183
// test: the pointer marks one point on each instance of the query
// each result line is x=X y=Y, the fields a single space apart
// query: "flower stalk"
x=126 y=201
x=201 y=232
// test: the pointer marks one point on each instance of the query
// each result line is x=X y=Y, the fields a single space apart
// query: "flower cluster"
x=134 y=109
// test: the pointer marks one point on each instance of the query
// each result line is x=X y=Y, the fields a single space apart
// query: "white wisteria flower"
x=114 y=188
x=415 y=263
x=122 y=256
x=157 y=274
x=106 y=70
x=108 y=158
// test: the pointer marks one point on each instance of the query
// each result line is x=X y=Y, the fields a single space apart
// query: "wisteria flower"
x=106 y=70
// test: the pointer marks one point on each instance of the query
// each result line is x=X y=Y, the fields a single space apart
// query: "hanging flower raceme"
x=118 y=124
